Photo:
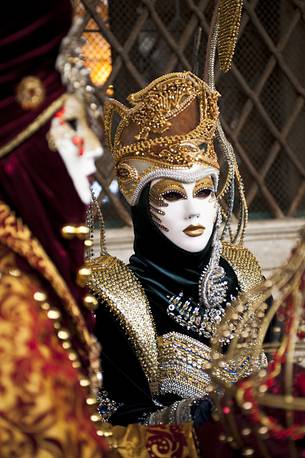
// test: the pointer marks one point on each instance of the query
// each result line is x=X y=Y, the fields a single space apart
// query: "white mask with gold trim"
x=77 y=144
x=184 y=212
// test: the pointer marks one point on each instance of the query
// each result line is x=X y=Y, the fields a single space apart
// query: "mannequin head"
x=184 y=212
x=77 y=144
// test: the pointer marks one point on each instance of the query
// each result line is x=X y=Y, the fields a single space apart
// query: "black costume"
x=161 y=277
x=156 y=317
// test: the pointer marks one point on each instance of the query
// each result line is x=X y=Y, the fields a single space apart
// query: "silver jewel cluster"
x=212 y=287
x=204 y=317
x=184 y=389
x=107 y=406
x=203 y=321
x=177 y=413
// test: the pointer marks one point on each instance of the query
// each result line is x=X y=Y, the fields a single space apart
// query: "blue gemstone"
x=103 y=409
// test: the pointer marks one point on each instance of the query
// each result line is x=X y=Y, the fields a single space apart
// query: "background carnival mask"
x=76 y=143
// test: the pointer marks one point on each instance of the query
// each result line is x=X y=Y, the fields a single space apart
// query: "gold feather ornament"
x=229 y=14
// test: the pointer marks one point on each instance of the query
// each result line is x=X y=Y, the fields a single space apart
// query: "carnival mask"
x=184 y=212
x=76 y=143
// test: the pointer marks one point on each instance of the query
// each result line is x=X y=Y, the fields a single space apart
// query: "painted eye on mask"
x=203 y=193
x=72 y=123
x=173 y=196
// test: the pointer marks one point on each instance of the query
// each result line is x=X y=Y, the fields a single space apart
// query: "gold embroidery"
x=164 y=441
x=184 y=363
x=159 y=441
x=113 y=283
x=15 y=235
x=126 y=172
x=244 y=264
x=155 y=109
x=229 y=22
x=249 y=275
x=43 y=404
x=161 y=101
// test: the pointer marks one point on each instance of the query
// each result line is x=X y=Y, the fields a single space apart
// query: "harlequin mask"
x=76 y=143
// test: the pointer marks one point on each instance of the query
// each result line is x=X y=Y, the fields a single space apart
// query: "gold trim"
x=244 y=264
x=229 y=15
x=115 y=285
x=249 y=275
x=148 y=131
x=17 y=236
x=204 y=183
x=33 y=127
x=185 y=363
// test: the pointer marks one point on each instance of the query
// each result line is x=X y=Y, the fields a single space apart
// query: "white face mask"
x=185 y=213
x=77 y=145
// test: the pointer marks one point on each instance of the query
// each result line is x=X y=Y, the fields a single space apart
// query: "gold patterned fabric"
x=160 y=441
x=167 y=132
x=249 y=276
x=43 y=411
x=17 y=236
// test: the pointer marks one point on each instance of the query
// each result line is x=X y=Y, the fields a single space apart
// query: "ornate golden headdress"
x=168 y=132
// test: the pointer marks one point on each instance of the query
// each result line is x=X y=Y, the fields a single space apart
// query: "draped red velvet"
x=30 y=35
x=33 y=180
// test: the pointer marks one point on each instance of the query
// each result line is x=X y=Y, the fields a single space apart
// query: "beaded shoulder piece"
x=244 y=264
x=112 y=282
x=185 y=364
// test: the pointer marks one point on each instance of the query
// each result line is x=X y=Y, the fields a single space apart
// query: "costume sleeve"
x=126 y=397
x=42 y=410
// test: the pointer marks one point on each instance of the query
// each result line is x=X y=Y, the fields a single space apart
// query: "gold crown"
x=169 y=129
